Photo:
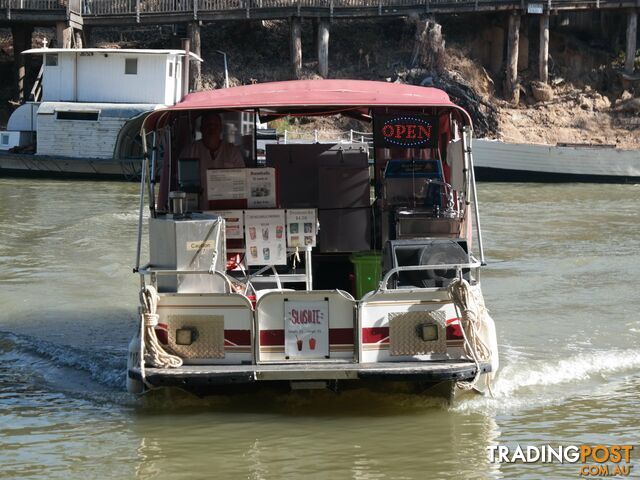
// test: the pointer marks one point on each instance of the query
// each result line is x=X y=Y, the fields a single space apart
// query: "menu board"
x=226 y=184
x=233 y=222
x=256 y=187
x=301 y=227
x=264 y=237
x=306 y=329
x=261 y=187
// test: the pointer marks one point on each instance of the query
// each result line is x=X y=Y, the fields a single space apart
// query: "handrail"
x=149 y=270
x=34 y=5
x=413 y=268
x=195 y=7
x=36 y=91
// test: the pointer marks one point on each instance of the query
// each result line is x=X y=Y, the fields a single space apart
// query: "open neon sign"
x=405 y=131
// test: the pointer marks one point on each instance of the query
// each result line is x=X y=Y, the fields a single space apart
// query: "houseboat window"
x=5 y=139
x=51 y=60
x=87 y=116
x=171 y=69
x=131 y=66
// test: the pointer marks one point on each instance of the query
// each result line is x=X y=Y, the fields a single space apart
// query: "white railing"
x=33 y=4
x=137 y=7
x=317 y=136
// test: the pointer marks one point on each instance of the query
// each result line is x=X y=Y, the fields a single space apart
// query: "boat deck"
x=431 y=371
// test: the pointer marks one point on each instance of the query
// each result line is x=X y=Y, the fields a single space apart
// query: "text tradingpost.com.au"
x=592 y=460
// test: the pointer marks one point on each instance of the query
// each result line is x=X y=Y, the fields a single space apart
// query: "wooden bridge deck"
x=122 y=12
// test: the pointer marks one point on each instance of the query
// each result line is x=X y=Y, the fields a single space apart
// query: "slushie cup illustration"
x=312 y=343
x=265 y=233
x=279 y=230
x=252 y=233
x=299 y=344
x=254 y=252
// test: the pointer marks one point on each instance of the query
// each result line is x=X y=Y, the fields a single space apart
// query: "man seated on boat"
x=212 y=150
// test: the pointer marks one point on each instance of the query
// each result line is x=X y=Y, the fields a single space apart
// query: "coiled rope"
x=471 y=310
x=154 y=354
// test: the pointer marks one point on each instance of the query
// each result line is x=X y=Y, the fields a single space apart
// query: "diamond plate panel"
x=209 y=341
x=404 y=336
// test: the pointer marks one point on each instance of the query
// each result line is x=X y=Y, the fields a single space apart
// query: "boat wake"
x=533 y=383
x=100 y=374
x=62 y=366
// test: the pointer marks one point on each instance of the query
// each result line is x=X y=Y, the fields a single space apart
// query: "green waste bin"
x=367 y=269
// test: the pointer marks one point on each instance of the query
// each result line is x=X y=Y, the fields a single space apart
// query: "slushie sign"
x=405 y=131
x=306 y=329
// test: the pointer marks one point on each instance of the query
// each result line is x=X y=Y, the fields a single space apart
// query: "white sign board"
x=306 y=329
x=301 y=227
x=255 y=185
x=261 y=187
x=226 y=184
x=264 y=237
x=233 y=222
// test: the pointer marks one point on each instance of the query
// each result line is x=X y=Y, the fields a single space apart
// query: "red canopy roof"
x=297 y=95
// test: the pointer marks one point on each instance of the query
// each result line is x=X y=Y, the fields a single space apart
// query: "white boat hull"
x=498 y=161
x=25 y=165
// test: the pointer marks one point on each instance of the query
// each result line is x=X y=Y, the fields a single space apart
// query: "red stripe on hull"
x=271 y=337
x=381 y=334
x=241 y=338
x=341 y=336
x=375 y=335
x=337 y=336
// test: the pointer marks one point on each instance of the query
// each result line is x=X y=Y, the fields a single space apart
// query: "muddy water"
x=562 y=285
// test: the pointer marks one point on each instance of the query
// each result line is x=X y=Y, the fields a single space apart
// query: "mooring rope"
x=471 y=311
x=154 y=354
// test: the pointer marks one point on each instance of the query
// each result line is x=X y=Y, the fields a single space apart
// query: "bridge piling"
x=193 y=32
x=77 y=39
x=632 y=33
x=512 y=87
x=86 y=33
x=497 y=50
x=22 y=38
x=296 y=45
x=543 y=63
x=64 y=34
x=323 y=47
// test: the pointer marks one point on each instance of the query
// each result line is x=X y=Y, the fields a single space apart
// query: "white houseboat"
x=85 y=97
x=329 y=266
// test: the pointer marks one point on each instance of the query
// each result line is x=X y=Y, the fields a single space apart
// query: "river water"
x=561 y=284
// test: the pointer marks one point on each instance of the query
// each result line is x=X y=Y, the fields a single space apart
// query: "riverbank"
x=587 y=100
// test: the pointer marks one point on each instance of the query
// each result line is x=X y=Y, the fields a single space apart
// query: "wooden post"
x=632 y=33
x=21 y=37
x=543 y=62
x=512 y=89
x=186 y=46
x=296 y=46
x=77 y=38
x=323 y=47
x=497 y=49
x=86 y=32
x=63 y=35
x=196 y=70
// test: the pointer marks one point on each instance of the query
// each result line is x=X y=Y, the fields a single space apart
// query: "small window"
x=86 y=116
x=5 y=139
x=131 y=66
x=51 y=60
x=171 y=69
